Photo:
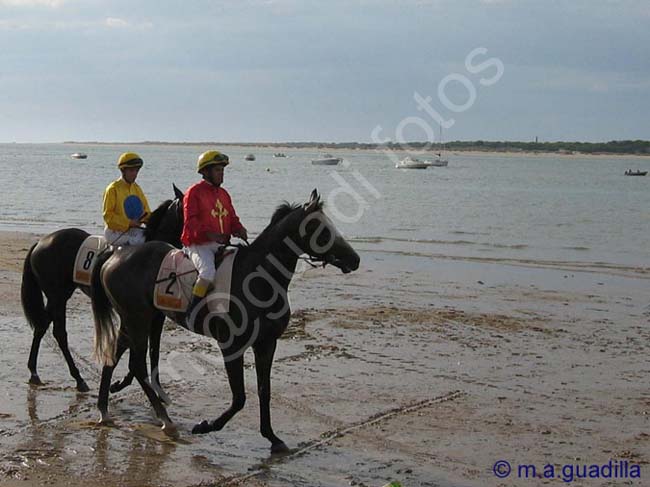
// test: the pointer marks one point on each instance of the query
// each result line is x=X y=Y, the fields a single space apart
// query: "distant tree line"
x=641 y=147
x=613 y=147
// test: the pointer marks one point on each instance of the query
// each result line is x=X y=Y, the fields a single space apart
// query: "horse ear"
x=177 y=192
x=314 y=199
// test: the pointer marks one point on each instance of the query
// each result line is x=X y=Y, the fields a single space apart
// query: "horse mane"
x=280 y=213
x=154 y=220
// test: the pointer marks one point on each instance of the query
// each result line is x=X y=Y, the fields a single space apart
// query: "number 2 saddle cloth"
x=177 y=276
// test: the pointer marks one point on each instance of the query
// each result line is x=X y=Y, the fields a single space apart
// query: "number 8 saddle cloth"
x=87 y=258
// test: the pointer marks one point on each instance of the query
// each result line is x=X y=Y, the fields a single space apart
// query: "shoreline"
x=581 y=266
x=335 y=147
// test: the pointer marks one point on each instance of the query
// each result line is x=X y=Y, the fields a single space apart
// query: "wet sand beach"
x=422 y=370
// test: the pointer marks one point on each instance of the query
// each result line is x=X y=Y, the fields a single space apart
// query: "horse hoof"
x=105 y=420
x=279 y=448
x=82 y=386
x=201 y=428
x=35 y=380
x=115 y=387
x=171 y=431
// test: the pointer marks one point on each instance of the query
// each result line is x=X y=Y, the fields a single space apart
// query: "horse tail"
x=106 y=330
x=31 y=296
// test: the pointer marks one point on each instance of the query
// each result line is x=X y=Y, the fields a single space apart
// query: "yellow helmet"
x=211 y=158
x=129 y=159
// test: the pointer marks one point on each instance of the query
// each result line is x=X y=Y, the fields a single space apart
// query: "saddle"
x=177 y=275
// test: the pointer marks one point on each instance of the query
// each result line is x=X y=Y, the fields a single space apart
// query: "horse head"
x=166 y=221
x=319 y=238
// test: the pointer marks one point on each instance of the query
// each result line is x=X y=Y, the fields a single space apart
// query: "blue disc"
x=133 y=207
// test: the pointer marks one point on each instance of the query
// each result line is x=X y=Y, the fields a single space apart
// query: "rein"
x=312 y=261
x=175 y=276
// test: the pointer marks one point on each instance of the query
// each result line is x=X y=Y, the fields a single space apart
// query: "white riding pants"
x=203 y=259
x=133 y=236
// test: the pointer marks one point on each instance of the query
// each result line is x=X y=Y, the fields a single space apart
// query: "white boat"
x=78 y=155
x=326 y=160
x=439 y=162
x=411 y=163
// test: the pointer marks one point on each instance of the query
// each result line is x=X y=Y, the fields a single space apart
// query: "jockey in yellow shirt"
x=119 y=229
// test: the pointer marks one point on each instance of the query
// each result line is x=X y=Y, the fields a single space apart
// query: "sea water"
x=491 y=207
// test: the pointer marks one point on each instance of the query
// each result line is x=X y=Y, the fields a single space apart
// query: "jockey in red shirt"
x=209 y=220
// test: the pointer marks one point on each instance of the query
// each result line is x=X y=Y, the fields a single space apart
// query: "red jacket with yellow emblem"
x=207 y=208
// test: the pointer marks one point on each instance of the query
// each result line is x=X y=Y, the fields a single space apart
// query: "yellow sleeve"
x=111 y=218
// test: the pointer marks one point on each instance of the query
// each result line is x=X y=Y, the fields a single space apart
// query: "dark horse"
x=258 y=313
x=48 y=270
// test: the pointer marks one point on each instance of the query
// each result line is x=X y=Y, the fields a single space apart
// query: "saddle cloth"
x=176 y=279
x=87 y=258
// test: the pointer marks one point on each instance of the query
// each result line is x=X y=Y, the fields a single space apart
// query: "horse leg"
x=235 y=370
x=102 y=399
x=124 y=383
x=107 y=374
x=154 y=357
x=128 y=378
x=138 y=366
x=264 y=352
x=61 y=336
x=33 y=354
x=154 y=354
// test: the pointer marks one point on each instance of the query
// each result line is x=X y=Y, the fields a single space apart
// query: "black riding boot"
x=190 y=309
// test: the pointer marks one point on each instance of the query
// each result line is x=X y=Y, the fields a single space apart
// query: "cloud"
x=571 y=80
x=116 y=23
x=288 y=59
x=13 y=25
x=32 y=3
x=72 y=25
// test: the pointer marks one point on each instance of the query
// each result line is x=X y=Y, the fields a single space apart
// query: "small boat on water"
x=439 y=162
x=78 y=155
x=279 y=154
x=412 y=163
x=326 y=160
x=250 y=157
x=629 y=172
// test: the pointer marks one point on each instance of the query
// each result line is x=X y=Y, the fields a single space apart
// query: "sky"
x=331 y=71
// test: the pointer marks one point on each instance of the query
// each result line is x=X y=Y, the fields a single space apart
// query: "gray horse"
x=259 y=310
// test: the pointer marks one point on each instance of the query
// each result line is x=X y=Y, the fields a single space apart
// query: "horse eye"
x=324 y=237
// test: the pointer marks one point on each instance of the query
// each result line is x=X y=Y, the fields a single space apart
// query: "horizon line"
x=312 y=142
